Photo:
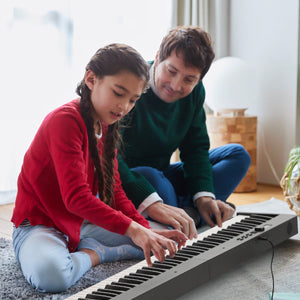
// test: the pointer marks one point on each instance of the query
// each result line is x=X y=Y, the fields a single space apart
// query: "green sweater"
x=154 y=130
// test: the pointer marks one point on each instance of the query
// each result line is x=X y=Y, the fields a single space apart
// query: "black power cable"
x=273 y=252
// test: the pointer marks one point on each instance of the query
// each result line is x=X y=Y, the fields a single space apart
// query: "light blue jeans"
x=46 y=261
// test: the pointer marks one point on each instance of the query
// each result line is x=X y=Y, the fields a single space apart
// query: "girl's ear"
x=90 y=79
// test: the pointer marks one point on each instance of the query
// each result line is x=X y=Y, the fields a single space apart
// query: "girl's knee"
x=49 y=274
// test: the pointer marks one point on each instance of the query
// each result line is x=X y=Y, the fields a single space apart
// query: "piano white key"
x=143 y=263
x=215 y=229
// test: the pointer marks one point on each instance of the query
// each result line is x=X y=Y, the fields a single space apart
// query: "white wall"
x=265 y=34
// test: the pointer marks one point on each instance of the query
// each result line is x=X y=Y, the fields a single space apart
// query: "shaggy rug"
x=14 y=286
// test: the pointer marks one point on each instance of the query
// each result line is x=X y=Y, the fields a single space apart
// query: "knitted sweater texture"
x=57 y=185
x=153 y=130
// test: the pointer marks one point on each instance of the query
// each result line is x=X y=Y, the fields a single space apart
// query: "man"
x=170 y=116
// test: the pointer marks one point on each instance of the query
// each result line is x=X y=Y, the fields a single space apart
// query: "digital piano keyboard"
x=213 y=252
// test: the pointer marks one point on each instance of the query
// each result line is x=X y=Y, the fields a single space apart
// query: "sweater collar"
x=151 y=80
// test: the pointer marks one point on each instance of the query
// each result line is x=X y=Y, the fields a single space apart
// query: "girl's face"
x=113 y=96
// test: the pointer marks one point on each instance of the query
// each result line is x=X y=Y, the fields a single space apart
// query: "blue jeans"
x=46 y=261
x=230 y=164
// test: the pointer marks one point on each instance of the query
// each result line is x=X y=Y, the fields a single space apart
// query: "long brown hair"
x=108 y=60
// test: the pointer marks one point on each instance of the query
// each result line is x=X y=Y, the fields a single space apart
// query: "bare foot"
x=95 y=260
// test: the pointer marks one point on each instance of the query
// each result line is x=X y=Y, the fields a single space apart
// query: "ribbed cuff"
x=202 y=194
x=152 y=198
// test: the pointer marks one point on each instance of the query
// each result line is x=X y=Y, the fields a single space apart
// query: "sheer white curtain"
x=211 y=15
x=36 y=38
x=45 y=46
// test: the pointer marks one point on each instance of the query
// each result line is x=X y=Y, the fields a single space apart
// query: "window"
x=45 y=46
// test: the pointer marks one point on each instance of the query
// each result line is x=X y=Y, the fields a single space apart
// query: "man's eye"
x=172 y=72
x=189 y=80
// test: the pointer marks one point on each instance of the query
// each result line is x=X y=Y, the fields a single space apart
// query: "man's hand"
x=208 y=206
x=173 y=216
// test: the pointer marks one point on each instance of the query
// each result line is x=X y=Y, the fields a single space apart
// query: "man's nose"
x=176 y=84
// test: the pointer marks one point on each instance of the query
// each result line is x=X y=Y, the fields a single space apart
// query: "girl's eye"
x=117 y=94
x=132 y=101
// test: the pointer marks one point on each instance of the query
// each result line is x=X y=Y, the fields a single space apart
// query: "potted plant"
x=290 y=181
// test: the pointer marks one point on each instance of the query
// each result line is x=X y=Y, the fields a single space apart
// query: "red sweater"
x=57 y=186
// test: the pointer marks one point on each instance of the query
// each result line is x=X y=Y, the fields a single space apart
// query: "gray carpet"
x=14 y=286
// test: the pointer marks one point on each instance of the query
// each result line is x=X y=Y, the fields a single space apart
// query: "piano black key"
x=154 y=269
x=262 y=217
x=107 y=290
x=198 y=249
x=162 y=265
x=240 y=226
x=205 y=244
x=104 y=293
x=251 y=222
x=148 y=272
x=179 y=258
x=171 y=261
x=189 y=251
x=125 y=285
x=99 y=297
x=143 y=277
x=201 y=247
x=215 y=239
x=230 y=232
x=113 y=286
x=131 y=279
x=185 y=253
x=221 y=236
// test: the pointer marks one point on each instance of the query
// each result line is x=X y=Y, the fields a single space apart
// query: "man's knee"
x=241 y=153
x=149 y=173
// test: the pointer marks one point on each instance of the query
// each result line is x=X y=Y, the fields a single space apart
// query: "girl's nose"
x=123 y=105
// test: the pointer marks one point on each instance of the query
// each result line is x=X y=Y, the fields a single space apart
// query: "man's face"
x=173 y=79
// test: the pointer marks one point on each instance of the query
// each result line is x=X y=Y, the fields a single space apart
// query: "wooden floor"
x=264 y=192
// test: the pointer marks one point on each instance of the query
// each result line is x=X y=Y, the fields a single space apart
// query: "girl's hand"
x=175 y=235
x=150 y=241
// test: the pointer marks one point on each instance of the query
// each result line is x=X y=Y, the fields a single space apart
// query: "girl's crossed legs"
x=47 y=263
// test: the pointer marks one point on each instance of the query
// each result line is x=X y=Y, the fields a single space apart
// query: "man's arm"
x=194 y=149
x=148 y=202
x=135 y=185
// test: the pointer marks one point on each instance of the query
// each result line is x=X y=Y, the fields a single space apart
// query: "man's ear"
x=89 y=79
x=156 y=59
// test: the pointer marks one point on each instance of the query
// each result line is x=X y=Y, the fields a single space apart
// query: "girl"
x=61 y=227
